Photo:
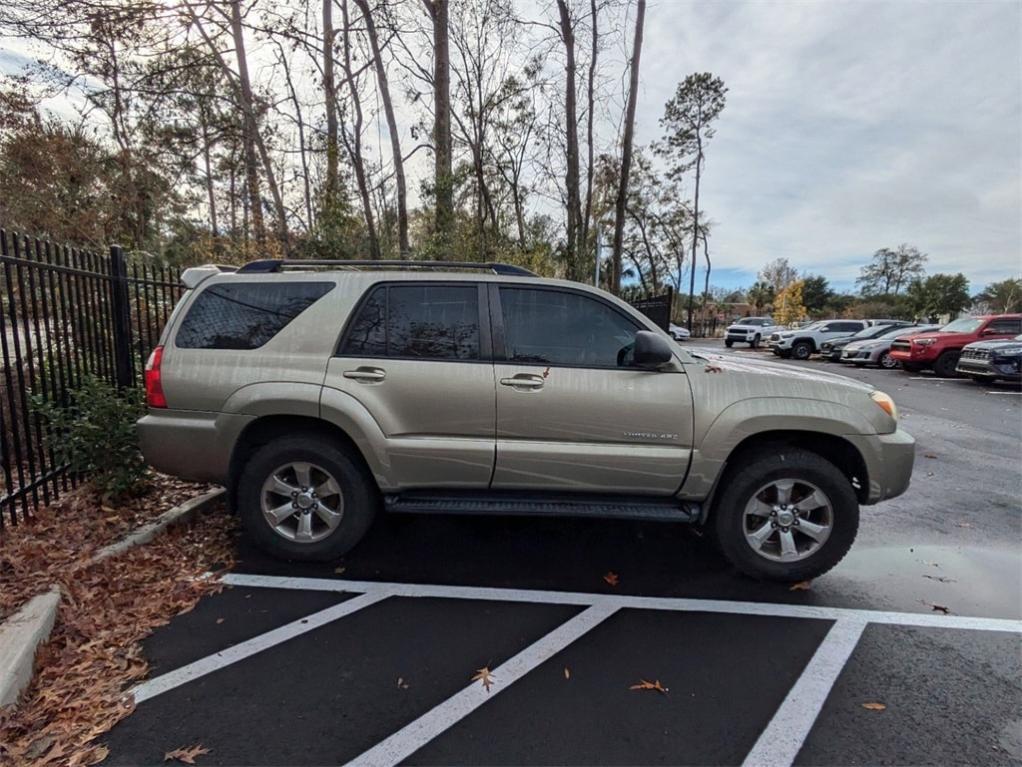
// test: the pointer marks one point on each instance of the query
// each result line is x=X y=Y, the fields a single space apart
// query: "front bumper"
x=1006 y=368
x=861 y=356
x=889 y=459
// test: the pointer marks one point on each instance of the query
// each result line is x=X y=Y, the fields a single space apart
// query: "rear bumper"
x=190 y=444
x=889 y=459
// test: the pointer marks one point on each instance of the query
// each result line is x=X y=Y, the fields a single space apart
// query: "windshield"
x=964 y=325
x=872 y=332
x=901 y=330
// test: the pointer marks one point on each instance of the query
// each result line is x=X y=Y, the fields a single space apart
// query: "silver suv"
x=320 y=393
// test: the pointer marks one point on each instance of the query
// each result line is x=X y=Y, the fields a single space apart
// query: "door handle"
x=523 y=381
x=366 y=375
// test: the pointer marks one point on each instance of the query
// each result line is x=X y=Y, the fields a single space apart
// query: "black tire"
x=358 y=491
x=887 y=362
x=801 y=350
x=946 y=363
x=780 y=462
x=754 y=344
x=728 y=343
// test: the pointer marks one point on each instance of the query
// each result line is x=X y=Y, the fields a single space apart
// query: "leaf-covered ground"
x=94 y=653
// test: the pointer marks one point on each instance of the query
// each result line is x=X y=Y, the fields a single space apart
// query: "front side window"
x=560 y=328
x=422 y=321
x=1005 y=326
x=245 y=315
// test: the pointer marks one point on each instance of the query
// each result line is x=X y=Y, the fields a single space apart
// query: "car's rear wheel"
x=802 y=350
x=946 y=364
x=887 y=362
x=787 y=516
x=304 y=497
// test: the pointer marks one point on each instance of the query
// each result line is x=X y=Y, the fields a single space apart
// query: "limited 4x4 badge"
x=649 y=435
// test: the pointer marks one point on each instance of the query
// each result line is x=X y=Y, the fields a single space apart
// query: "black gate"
x=657 y=308
x=66 y=313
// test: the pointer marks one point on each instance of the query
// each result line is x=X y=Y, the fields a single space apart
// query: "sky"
x=849 y=127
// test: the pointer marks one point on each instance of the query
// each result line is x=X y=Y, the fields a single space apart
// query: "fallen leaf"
x=874 y=706
x=185 y=755
x=938 y=608
x=929 y=455
x=567 y=673
x=485 y=676
x=612 y=578
x=402 y=683
x=219 y=620
x=647 y=685
x=940 y=578
x=801 y=586
x=339 y=570
x=713 y=369
x=963 y=524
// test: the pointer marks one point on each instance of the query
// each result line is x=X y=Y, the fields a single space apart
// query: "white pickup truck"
x=803 y=342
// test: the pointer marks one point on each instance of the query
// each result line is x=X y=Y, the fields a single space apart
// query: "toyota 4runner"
x=320 y=393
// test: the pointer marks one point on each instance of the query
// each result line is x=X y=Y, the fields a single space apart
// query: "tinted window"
x=439 y=322
x=559 y=328
x=846 y=327
x=245 y=315
x=1005 y=326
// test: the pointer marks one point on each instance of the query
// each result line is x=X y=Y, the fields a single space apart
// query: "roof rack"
x=279 y=264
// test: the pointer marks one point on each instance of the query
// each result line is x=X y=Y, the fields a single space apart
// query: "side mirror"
x=651 y=350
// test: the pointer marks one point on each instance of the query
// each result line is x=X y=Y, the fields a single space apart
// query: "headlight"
x=885 y=403
x=786 y=335
x=1009 y=351
x=924 y=341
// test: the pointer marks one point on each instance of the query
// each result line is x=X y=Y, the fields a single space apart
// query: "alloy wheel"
x=788 y=520
x=302 y=502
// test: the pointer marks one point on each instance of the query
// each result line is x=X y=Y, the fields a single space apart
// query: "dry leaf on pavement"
x=874 y=706
x=185 y=755
x=801 y=586
x=612 y=578
x=938 y=608
x=647 y=685
x=567 y=673
x=485 y=676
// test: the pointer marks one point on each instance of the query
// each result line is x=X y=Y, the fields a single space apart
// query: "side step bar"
x=543 y=504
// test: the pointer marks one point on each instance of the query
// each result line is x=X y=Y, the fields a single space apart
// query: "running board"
x=543 y=504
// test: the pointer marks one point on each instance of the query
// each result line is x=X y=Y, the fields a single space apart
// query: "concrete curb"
x=20 y=636
x=175 y=516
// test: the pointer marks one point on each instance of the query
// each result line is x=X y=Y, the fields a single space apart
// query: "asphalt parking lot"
x=371 y=660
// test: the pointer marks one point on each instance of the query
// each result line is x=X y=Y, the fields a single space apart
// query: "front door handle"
x=366 y=374
x=523 y=381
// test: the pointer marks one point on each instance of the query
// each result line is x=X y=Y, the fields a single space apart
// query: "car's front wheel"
x=802 y=350
x=754 y=343
x=788 y=516
x=728 y=343
x=887 y=362
x=946 y=363
x=304 y=497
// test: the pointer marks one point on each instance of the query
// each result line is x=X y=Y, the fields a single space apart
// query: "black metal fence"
x=657 y=308
x=66 y=313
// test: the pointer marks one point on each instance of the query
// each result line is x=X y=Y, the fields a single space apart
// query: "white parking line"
x=770 y=609
x=1005 y=391
x=934 y=378
x=409 y=739
x=782 y=739
x=209 y=664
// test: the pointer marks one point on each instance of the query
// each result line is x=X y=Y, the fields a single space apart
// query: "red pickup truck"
x=940 y=349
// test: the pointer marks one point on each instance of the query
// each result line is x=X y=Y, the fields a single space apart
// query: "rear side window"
x=422 y=321
x=245 y=315
x=1006 y=325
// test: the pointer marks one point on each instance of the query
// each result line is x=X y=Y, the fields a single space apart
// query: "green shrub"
x=95 y=435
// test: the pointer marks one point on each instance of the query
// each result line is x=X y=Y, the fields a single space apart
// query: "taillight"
x=154 y=395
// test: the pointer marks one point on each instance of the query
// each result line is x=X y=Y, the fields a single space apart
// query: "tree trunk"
x=590 y=108
x=443 y=177
x=331 y=186
x=706 y=255
x=355 y=149
x=208 y=165
x=395 y=138
x=255 y=202
x=571 y=178
x=695 y=229
x=626 y=151
x=302 y=144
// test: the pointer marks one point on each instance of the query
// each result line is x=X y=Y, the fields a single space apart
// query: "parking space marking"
x=409 y=739
x=1005 y=391
x=783 y=737
x=161 y=684
x=773 y=609
x=934 y=378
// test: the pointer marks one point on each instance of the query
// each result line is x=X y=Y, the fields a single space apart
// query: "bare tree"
x=331 y=186
x=571 y=175
x=626 y=149
x=443 y=177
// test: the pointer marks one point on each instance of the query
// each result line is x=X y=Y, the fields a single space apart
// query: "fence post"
x=121 y=317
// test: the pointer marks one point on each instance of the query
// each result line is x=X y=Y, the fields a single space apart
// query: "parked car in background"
x=750 y=330
x=803 y=342
x=831 y=350
x=987 y=361
x=322 y=394
x=940 y=350
x=877 y=350
x=678 y=333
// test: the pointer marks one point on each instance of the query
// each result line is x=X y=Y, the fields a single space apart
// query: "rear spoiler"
x=193 y=276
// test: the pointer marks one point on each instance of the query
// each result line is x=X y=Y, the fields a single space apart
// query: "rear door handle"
x=366 y=375
x=523 y=381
